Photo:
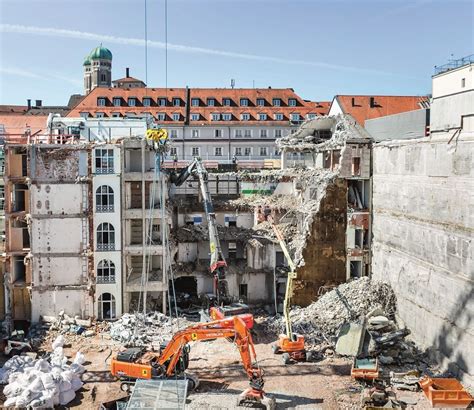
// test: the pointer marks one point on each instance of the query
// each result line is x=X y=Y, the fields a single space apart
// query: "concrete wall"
x=406 y=125
x=423 y=225
x=325 y=251
x=451 y=99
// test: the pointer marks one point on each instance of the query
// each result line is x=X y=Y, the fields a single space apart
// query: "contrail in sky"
x=56 y=32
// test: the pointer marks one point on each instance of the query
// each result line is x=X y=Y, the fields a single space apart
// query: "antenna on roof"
x=253 y=83
x=232 y=83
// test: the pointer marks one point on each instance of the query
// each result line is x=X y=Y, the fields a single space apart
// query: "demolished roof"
x=308 y=137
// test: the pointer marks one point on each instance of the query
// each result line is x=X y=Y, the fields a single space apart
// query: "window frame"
x=262 y=116
x=263 y=133
x=218 y=149
x=276 y=102
x=195 y=100
x=117 y=101
x=105 y=237
x=215 y=116
x=218 y=131
x=195 y=116
x=211 y=102
x=105 y=199
x=195 y=131
x=198 y=151
x=244 y=102
x=100 y=306
x=292 y=102
x=279 y=116
x=176 y=102
x=105 y=272
x=264 y=150
x=148 y=101
x=101 y=102
x=260 y=102
x=245 y=116
x=176 y=116
x=104 y=163
x=227 y=116
x=226 y=102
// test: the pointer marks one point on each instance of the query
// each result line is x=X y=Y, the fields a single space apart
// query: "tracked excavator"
x=290 y=344
x=172 y=361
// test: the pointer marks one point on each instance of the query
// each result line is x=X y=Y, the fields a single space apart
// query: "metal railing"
x=104 y=208
x=105 y=246
x=106 y=279
x=454 y=64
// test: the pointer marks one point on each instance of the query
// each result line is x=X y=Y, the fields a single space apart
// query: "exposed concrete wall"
x=422 y=241
x=325 y=252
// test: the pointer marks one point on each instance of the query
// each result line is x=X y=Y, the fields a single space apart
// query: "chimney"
x=39 y=103
x=28 y=101
x=372 y=102
x=127 y=72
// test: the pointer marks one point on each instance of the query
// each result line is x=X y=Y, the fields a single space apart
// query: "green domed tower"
x=97 y=69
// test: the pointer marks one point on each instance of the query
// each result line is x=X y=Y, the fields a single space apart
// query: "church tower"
x=97 y=69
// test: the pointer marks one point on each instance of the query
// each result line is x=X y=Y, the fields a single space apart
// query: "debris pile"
x=349 y=302
x=143 y=330
x=44 y=382
x=387 y=341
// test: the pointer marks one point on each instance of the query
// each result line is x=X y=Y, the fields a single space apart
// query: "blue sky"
x=319 y=48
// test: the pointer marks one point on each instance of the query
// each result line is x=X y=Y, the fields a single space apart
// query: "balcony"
x=105 y=247
x=104 y=280
x=104 y=208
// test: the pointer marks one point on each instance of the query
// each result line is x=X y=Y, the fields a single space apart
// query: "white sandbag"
x=66 y=396
x=68 y=375
x=76 y=383
x=42 y=365
x=37 y=385
x=10 y=402
x=12 y=389
x=48 y=381
x=80 y=358
x=77 y=368
x=26 y=397
x=65 y=386
x=58 y=342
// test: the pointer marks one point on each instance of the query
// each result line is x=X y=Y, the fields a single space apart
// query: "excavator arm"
x=233 y=327
x=218 y=265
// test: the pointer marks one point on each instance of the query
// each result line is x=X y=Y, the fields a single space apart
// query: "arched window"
x=105 y=237
x=106 y=307
x=105 y=272
x=104 y=199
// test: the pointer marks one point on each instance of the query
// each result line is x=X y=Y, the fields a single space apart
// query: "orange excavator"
x=173 y=359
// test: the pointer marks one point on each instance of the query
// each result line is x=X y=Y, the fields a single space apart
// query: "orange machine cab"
x=287 y=345
x=237 y=309
x=131 y=370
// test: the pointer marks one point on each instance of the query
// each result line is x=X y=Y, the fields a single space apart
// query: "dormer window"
x=262 y=117
x=244 y=102
x=311 y=116
x=227 y=117
x=295 y=117
x=260 y=102
x=101 y=102
x=195 y=102
x=245 y=117
x=131 y=102
x=276 y=102
x=226 y=102
x=161 y=116
x=162 y=102
x=211 y=102
x=215 y=116
x=278 y=117
x=176 y=116
x=195 y=117
x=146 y=102
x=292 y=102
x=176 y=102
x=117 y=101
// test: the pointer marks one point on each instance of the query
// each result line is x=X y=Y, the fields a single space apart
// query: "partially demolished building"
x=85 y=220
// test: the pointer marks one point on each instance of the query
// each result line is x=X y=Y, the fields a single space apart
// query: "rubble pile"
x=44 y=382
x=144 y=330
x=387 y=342
x=349 y=302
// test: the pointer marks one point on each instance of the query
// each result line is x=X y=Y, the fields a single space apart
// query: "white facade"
x=107 y=250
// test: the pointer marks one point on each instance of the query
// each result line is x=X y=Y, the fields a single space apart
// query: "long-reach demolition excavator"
x=218 y=264
x=172 y=361
x=290 y=344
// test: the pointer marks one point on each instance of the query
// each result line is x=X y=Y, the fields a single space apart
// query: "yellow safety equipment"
x=157 y=135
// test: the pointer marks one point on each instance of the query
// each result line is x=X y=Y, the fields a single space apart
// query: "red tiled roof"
x=303 y=107
x=15 y=125
x=384 y=105
x=13 y=109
